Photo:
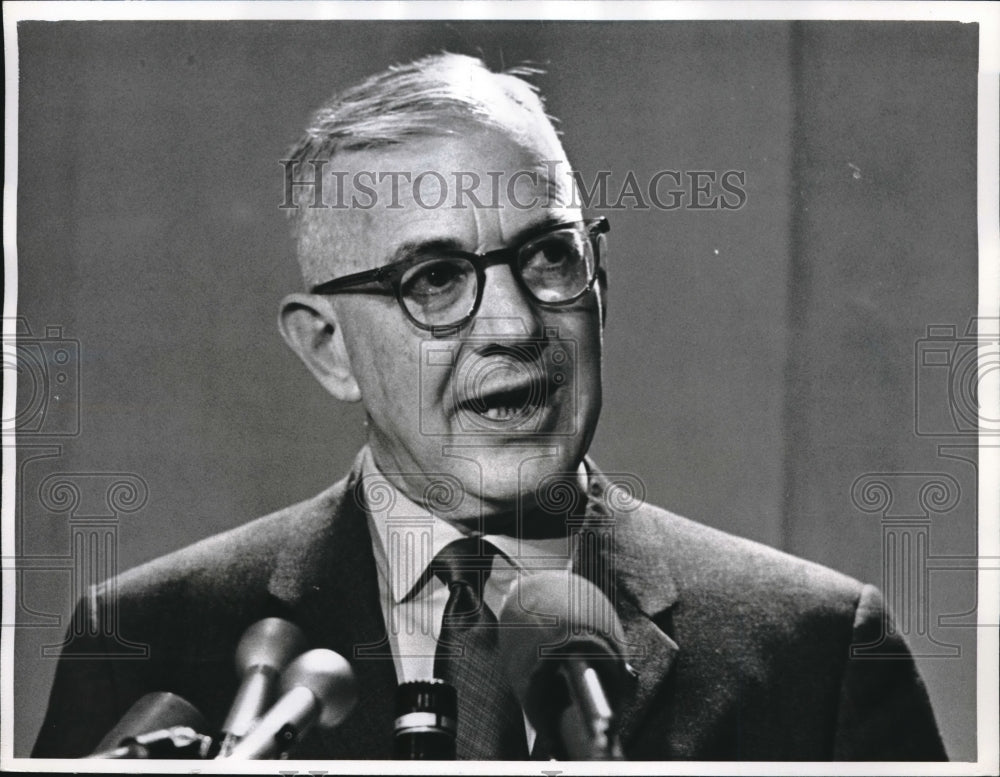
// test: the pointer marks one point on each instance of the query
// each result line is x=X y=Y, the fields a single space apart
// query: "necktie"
x=490 y=724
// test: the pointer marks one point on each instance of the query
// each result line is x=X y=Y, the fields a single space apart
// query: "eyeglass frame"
x=388 y=276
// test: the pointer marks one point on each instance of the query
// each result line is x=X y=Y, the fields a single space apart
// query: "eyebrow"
x=413 y=248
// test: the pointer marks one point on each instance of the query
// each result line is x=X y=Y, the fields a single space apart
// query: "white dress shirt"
x=405 y=539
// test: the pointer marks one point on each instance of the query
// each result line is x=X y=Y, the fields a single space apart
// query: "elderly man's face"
x=511 y=397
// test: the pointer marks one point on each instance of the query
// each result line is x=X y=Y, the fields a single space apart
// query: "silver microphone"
x=263 y=652
x=562 y=658
x=318 y=688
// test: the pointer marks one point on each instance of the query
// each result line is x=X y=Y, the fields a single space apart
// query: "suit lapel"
x=327 y=579
x=635 y=576
x=650 y=654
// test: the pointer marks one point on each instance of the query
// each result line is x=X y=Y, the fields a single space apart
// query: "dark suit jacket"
x=739 y=651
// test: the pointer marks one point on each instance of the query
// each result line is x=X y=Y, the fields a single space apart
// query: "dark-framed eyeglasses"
x=440 y=289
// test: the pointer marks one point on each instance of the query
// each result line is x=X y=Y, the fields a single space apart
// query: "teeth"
x=503 y=413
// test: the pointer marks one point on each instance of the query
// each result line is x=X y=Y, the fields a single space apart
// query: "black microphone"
x=264 y=651
x=426 y=721
x=562 y=659
x=318 y=688
x=159 y=725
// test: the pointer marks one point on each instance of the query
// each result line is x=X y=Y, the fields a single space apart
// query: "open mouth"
x=509 y=404
x=503 y=389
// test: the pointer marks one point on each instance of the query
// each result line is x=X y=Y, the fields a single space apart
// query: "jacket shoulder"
x=241 y=559
x=724 y=572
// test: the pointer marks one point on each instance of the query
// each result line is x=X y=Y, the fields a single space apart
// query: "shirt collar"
x=399 y=523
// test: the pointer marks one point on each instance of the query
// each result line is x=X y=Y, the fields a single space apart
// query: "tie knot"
x=467 y=561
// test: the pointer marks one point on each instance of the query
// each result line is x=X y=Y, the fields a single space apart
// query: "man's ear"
x=310 y=326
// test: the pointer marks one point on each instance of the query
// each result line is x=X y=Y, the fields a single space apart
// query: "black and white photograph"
x=488 y=384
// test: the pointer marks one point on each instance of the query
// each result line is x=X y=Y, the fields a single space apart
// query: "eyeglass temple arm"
x=378 y=275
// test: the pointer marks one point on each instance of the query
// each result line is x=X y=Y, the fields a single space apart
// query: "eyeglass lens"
x=555 y=268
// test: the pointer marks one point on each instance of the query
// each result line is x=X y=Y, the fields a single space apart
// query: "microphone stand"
x=173 y=742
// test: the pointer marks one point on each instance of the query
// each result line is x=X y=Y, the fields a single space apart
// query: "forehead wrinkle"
x=555 y=191
x=559 y=191
x=479 y=221
x=338 y=242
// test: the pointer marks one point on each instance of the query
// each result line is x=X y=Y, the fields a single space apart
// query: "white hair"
x=438 y=95
x=433 y=95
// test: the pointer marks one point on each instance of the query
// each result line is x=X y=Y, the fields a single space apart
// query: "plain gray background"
x=759 y=361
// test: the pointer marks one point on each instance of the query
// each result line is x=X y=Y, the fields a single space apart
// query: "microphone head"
x=330 y=678
x=548 y=617
x=271 y=642
x=152 y=712
x=426 y=721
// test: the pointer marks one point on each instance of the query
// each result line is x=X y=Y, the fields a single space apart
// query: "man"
x=457 y=292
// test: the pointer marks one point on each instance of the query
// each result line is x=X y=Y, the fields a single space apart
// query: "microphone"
x=426 y=721
x=159 y=725
x=318 y=688
x=264 y=650
x=563 y=662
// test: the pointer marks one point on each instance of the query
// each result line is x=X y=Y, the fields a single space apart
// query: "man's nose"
x=506 y=309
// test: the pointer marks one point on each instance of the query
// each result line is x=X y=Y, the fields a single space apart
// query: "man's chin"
x=525 y=495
